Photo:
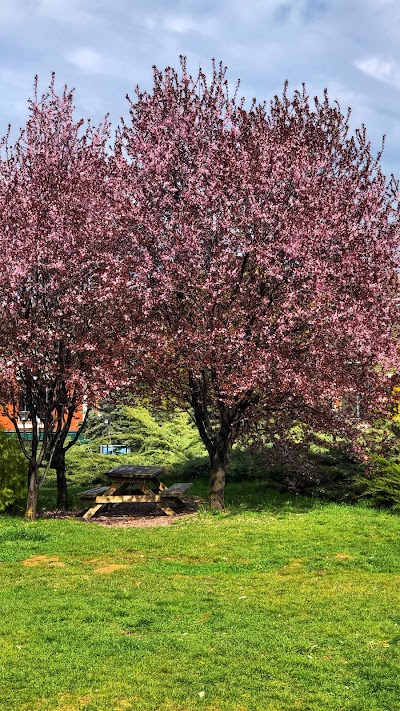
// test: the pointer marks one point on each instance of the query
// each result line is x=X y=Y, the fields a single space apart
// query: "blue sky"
x=105 y=47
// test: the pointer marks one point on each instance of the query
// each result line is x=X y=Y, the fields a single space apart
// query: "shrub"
x=166 y=439
x=247 y=464
x=244 y=465
x=13 y=474
x=381 y=485
x=332 y=472
x=196 y=468
x=317 y=465
x=306 y=463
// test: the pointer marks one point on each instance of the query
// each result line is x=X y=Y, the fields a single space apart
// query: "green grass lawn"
x=276 y=604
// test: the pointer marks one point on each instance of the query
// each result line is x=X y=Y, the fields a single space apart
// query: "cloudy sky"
x=105 y=47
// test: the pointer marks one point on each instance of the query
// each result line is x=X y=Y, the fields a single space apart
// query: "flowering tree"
x=265 y=242
x=59 y=282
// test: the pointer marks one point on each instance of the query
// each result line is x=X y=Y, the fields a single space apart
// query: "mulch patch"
x=127 y=515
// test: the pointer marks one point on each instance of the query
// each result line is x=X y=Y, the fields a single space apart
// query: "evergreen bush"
x=380 y=485
x=318 y=466
x=13 y=474
x=164 y=439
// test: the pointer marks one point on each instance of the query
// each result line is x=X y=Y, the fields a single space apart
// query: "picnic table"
x=131 y=484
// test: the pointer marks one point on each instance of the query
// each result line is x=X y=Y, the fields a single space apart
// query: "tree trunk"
x=219 y=464
x=62 y=490
x=218 y=429
x=33 y=490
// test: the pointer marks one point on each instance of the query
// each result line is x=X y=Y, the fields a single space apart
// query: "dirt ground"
x=129 y=515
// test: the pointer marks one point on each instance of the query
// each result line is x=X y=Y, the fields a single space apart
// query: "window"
x=114 y=449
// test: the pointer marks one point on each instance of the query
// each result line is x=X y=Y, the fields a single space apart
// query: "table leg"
x=96 y=507
x=159 y=484
x=146 y=490
x=152 y=494
x=163 y=506
x=179 y=505
x=91 y=512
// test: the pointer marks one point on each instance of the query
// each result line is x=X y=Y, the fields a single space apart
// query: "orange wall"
x=6 y=425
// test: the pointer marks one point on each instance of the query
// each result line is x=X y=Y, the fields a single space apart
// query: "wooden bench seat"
x=176 y=489
x=92 y=493
x=147 y=488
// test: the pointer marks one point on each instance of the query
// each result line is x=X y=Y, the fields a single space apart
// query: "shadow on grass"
x=258 y=497
x=240 y=497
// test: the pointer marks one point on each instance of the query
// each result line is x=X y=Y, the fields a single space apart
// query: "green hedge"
x=380 y=487
x=319 y=467
x=13 y=474
x=164 y=439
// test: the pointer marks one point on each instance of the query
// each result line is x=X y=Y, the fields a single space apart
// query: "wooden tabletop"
x=126 y=471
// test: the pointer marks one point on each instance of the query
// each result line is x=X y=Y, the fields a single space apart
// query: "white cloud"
x=86 y=59
x=185 y=23
x=179 y=23
x=76 y=13
x=12 y=77
x=380 y=69
x=105 y=48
